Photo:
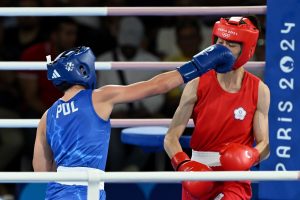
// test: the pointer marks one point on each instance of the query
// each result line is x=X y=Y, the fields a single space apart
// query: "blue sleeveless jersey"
x=77 y=136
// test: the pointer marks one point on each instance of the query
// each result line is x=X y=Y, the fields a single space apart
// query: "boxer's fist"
x=181 y=162
x=216 y=57
x=238 y=157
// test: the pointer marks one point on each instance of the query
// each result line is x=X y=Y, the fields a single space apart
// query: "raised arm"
x=42 y=156
x=181 y=118
x=157 y=85
x=261 y=121
x=216 y=57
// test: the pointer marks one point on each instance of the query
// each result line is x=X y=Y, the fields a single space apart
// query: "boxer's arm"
x=159 y=84
x=106 y=97
x=261 y=121
x=42 y=156
x=179 y=159
x=181 y=118
x=214 y=57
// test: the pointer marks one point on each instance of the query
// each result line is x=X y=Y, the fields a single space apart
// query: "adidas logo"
x=55 y=74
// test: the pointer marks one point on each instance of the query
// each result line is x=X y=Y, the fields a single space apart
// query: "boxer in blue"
x=73 y=134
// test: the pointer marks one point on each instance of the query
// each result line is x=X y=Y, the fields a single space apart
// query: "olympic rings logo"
x=225 y=35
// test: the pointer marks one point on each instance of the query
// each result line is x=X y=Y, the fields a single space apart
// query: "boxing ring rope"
x=130 y=11
x=142 y=177
x=115 y=123
x=18 y=65
x=94 y=178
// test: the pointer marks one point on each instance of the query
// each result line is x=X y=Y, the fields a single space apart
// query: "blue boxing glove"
x=216 y=57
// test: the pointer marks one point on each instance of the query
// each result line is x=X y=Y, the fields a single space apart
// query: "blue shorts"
x=56 y=191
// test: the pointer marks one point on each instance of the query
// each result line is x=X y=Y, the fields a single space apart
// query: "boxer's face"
x=234 y=47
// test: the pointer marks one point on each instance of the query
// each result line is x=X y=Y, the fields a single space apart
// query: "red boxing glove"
x=181 y=162
x=238 y=157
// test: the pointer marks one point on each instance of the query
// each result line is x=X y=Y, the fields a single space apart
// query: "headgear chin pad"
x=240 y=30
x=75 y=66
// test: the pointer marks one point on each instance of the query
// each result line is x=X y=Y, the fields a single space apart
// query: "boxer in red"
x=230 y=113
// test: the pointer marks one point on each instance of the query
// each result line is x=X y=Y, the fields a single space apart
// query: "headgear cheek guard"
x=240 y=30
x=74 y=66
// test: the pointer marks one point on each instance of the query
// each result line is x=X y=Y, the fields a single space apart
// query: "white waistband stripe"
x=209 y=158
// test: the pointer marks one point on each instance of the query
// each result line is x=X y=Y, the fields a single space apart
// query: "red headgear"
x=241 y=30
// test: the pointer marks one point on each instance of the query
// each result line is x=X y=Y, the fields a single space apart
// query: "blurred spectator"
x=130 y=36
x=26 y=32
x=166 y=41
x=11 y=140
x=91 y=31
x=166 y=44
x=90 y=24
x=189 y=40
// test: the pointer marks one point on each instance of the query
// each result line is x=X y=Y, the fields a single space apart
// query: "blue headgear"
x=74 y=66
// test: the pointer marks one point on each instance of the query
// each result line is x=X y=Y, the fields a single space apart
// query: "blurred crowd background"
x=28 y=94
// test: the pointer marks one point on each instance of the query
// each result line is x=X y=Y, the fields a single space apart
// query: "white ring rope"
x=94 y=178
x=137 y=177
x=18 y=65
x=168 y=11
x=130 y=11
x=115 y=123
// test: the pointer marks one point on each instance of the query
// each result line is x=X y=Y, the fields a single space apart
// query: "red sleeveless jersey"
x=221 y=117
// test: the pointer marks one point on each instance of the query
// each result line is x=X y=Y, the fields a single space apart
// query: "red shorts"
x=229 y=190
